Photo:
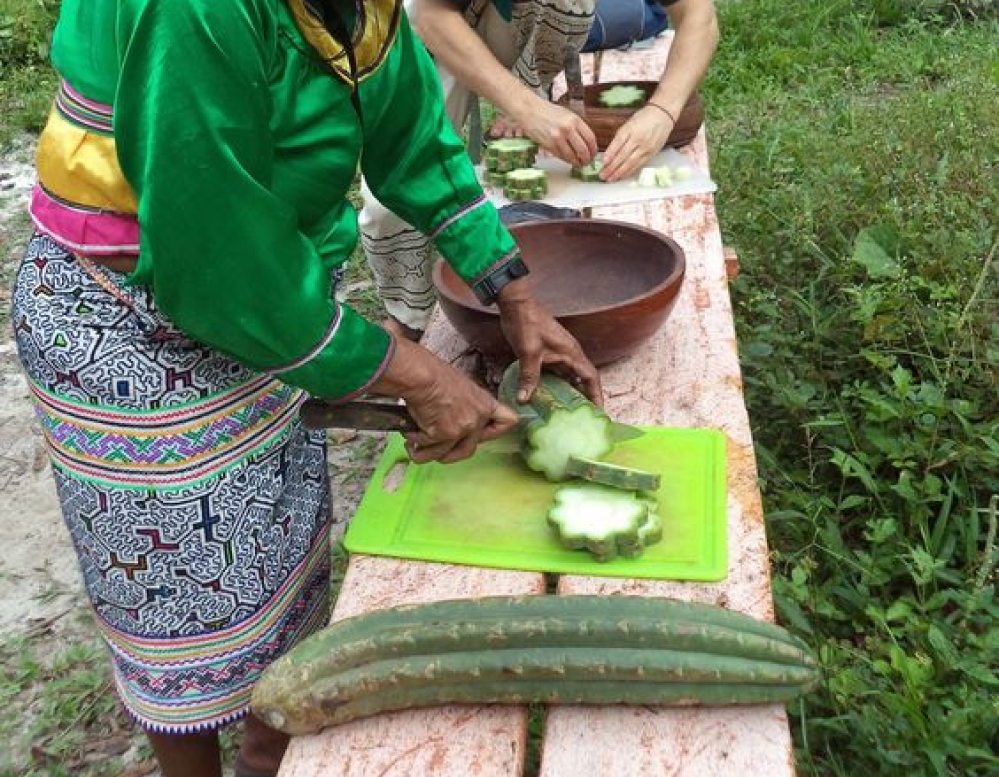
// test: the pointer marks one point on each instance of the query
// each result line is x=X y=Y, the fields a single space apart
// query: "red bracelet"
x=657 y=105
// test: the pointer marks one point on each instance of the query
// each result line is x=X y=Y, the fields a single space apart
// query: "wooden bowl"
x=605 y=122
x=610 y=283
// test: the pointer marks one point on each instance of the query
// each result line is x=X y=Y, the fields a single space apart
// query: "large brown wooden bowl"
x=611 y=284
x=605 y=122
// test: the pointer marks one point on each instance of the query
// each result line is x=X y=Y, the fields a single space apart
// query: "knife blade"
x=373 y=416
x=574 y=84
x=364 y=415
x=624 y=432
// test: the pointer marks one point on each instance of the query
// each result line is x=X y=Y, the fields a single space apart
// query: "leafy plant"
x=25 y=29
x=864 y=218
x=27 y=83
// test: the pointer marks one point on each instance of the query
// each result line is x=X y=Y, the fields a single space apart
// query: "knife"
x=364 y=415
x=373 y=416
x=574 y=84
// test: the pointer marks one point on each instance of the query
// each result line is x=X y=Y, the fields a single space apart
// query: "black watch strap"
x=487 y=289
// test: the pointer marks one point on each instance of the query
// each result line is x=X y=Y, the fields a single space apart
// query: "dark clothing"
x=618 y=23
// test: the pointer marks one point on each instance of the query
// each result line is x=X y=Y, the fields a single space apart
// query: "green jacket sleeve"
x=224 y=256
x=417 y=166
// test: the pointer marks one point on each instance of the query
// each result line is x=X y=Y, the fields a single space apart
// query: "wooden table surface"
x=687 y=375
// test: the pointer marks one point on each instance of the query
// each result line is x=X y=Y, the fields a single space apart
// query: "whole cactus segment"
x=565 y=649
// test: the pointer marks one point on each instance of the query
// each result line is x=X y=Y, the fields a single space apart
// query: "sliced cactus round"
x=598 y=518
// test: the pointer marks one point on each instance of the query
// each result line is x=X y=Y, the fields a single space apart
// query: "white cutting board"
x=564 y=191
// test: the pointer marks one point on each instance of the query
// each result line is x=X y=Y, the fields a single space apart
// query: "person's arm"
x=416 y=165
x=695 y=38
x=224 y=255
x=444 y=31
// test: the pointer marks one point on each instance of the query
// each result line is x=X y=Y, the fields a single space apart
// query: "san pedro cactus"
x=555 y=649
x=604 y=520
x=608 y=474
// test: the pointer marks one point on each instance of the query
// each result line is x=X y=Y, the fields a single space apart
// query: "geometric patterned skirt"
x=197 y=503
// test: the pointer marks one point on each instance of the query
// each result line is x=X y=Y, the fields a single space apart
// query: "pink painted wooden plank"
x=453 y=741
x=687 y=375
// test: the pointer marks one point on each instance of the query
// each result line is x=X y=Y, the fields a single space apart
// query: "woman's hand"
x=539 y=341
x=453 y=413
x=636 y=142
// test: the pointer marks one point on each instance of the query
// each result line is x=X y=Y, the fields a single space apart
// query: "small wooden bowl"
x=610 y=283
x=605 y=122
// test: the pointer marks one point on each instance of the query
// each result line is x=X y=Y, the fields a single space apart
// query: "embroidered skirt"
x=197 y=503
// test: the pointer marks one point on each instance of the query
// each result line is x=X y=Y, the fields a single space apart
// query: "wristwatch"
x=487 y=289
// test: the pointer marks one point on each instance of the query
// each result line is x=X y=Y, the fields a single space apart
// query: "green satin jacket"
x=236 y=140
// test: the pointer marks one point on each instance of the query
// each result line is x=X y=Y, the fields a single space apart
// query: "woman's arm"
x=695 y=39
x=417 y=167
x=644 y=135
x=443 y=29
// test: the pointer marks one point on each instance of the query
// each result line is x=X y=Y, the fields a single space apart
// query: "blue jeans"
x=617 y=23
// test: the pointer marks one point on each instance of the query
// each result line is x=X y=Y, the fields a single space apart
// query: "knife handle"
x=573 y=71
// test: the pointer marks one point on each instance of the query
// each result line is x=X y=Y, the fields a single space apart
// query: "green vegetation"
x=858 y=184
x=26 y=81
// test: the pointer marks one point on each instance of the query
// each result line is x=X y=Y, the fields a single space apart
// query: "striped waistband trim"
x=86 y=113
x=171 y=448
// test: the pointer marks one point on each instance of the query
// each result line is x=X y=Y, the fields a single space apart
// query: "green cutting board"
x=490 y=510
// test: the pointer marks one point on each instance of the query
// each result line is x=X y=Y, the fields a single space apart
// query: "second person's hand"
x=636 y=142
x=559 y=131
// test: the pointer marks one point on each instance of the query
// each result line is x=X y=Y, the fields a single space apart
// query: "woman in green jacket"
x=175 y=307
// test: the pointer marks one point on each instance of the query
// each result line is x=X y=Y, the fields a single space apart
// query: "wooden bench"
x=687 y=375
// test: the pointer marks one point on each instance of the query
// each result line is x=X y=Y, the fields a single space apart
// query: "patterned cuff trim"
x=473 y=205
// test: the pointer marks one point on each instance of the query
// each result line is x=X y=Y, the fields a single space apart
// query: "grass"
x=859 y=189
x=60 y=717
x=26 y=81
x=855 y=148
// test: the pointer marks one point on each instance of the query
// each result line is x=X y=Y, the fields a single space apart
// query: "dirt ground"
x=43 y=611
x=38 y=575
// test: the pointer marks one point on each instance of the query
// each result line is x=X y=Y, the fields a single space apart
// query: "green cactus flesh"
x=557 y=422
x=588 y=173
x=507 y=154
x=649 y=533
x=525 y=184
x=622 y=96
x=502 y=146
